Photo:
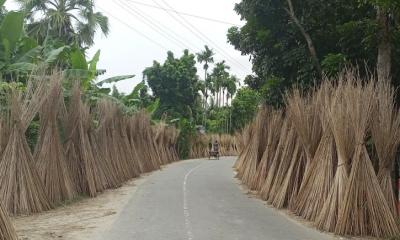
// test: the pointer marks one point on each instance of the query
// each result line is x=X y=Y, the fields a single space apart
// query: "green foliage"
x=333 y=63
x=152 y=107
x=187 y=132
x=80 y=69
x=5 y=89
x=221 y=86
x=343 y=32
x=114 y=79
x=32 y=133
x=20 y=54
x=135 y=94
x=272 y=91
x=70 y=21
x=54 y=54
x=86 y=71
x=388 y=4
x=217 y=120
x=220 y=75
x=11 y=31
x=244 y=105
x=16 y=53
x=206 y=56
x=229 y=119
x=78 y=60
x=115 y=93
x=139 y=98
x=231 y=85
x=175 y=83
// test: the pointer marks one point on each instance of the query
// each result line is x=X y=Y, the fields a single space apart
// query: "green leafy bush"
x=244 y=106
x=187 y=132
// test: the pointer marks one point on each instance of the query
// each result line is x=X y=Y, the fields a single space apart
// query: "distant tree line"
x=215 y=102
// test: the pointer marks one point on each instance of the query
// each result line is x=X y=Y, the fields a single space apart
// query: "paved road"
x=201 y=200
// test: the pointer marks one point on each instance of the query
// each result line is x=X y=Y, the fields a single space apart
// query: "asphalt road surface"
x=201 y=200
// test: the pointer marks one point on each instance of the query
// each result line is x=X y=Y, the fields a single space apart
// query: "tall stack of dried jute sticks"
x=314 y=157
x=200 y=145
x=80 y=150
x=165 y=138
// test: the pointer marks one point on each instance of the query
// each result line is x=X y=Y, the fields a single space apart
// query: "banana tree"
x=20 y=54
x=86 y=71
x=14 y=49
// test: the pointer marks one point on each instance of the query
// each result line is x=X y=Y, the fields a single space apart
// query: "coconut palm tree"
x=201 y=86
x=206 y=56
x=71 y=21
x=219 y=76
x=231 y=91
x=231 y=87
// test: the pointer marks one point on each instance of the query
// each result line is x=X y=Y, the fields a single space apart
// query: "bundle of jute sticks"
x=200 y=145
x=80 y=150
x=328 y=156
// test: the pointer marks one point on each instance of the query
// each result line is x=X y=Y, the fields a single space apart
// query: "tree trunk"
x=205 y=86
x=227 y=117
x=223 y=96
x=307 y=37
x=206 y=96
x=218 y=96
x=230 y=119
x=384 y=62
x=205 y=110
x=226 y=124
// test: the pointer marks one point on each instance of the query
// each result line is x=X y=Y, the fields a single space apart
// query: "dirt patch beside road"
x=85 y=219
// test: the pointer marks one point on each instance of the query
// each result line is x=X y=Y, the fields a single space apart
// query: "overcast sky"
x=140 y=34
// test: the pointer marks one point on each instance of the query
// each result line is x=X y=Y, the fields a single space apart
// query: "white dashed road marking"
x=188 y=224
